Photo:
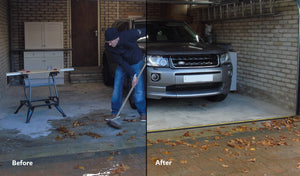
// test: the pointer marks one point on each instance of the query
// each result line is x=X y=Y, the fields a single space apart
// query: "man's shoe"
x=112 y=116
x=143 y=118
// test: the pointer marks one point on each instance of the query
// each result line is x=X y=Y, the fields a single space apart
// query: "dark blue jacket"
x=127 y=52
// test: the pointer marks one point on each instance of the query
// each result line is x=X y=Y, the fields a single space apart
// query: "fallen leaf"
x=296 y=140
x=125 y=131
x=120 y=168
x=62 y=130
x=187 y=134
x=110 y=158
x=216 y=137
x=171 y=159
x=183 y=161
x=79 y=167
x=224 y=165
x=58 y=138
x=298 y=166
x=154 y=159
x=245 y=171
x=252 y=160
x=204 y=147
x=132 y=137
x=111 y=144
x=221 y=159
x=119 y=134
x=130 y=120
x=252 y=149
x=94 y=135
x=76 y=123
x=167 y=153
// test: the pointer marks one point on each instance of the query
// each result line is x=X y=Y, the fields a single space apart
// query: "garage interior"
x=264 y=35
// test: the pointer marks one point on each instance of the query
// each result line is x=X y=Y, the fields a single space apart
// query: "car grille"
x=194 y=61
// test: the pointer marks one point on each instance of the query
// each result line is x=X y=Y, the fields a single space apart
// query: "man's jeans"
x=139 y=91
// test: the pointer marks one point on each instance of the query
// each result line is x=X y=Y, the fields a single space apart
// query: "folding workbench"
x=52 y=100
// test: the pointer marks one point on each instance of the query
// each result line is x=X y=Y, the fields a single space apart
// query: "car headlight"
x=157 y=61
x=225 y=58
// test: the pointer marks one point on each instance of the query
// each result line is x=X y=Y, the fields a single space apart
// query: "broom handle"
x=131 y=89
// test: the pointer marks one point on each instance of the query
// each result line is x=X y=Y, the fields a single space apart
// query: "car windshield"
x=164 y=31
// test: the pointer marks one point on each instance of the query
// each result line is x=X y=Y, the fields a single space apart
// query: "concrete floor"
x=181 y=113
x=58 y=153
x=53 y=139
x=265 y=148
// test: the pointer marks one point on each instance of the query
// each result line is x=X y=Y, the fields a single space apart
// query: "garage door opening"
x=265 y=38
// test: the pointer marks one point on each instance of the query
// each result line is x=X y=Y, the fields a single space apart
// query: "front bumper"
x=184 y=83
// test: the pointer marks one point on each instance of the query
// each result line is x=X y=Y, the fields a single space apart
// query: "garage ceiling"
x=186 y=2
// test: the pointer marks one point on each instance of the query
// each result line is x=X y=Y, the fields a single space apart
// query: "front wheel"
x=217 y=98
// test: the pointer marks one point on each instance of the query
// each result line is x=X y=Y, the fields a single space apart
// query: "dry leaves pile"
x=65 y=133
x=236 y=147
x=94 y=135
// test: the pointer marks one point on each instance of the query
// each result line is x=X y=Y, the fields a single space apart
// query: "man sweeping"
x=124 y=49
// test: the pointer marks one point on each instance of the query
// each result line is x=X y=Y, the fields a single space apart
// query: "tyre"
x=217 y=98
x=107 y=77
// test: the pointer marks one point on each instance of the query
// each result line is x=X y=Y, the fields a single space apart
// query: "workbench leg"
x=29 y=114
x=21 y=104
x=48 y=102
x=60 y=110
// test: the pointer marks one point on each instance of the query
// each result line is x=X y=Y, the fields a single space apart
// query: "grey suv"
x=179 y=63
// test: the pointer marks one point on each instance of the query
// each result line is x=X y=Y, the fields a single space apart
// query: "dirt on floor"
x=266 y=148
x=76 y=146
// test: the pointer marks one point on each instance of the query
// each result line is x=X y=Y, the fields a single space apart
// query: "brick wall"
x=110 y=11
x=36 y=11
x=4 y=46
x=267 y=52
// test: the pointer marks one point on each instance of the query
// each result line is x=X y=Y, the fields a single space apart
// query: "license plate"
x=197 y=78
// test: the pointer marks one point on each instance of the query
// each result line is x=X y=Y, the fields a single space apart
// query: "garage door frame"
x=298 y=69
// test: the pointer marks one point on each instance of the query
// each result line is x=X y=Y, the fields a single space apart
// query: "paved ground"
x=125 y=162
x=80 y=143
x=269 y=148
x=187 y=112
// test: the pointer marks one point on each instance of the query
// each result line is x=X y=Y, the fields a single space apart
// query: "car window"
x=170 y=32
x=140 y=25
x=122 y=26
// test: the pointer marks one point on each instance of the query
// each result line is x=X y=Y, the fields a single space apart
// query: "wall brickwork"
x=4 y=45
x=110 y=11
x=267 y=52
x=36 y=11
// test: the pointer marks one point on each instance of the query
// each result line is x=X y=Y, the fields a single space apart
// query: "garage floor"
x=265 y=148
x=77 y=144
x=173 y=113
x=83 y=143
